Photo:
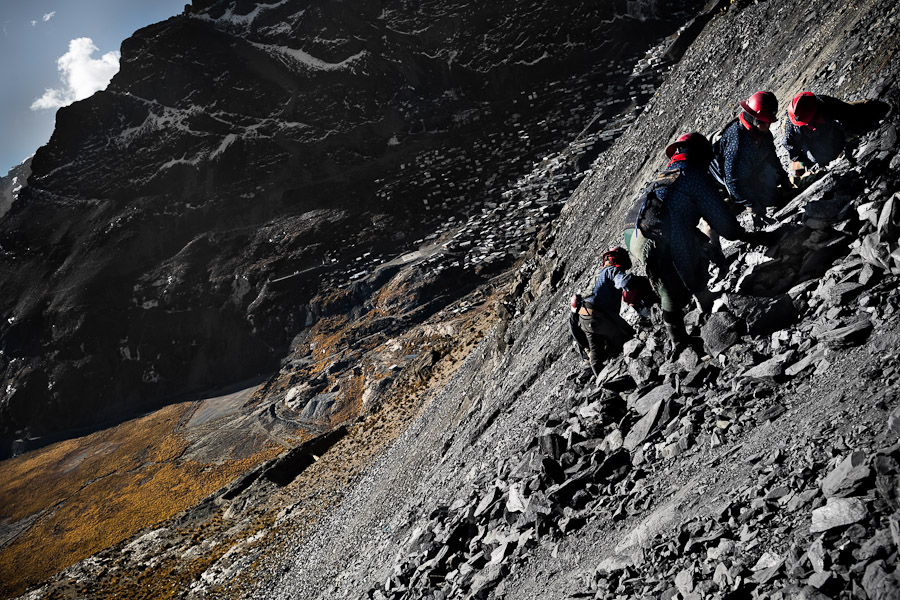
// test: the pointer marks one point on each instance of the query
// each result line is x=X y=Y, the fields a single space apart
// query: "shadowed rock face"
x=249 y=141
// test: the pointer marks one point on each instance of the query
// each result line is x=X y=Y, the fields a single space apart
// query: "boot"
x=677 y=333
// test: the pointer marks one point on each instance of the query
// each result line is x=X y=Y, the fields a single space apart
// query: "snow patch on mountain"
x=229 y=16
x=306 y=60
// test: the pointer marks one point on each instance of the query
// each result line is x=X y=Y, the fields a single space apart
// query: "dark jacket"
x=821 y=142
x=694 y=195
x=607 y=293
x=750 y=167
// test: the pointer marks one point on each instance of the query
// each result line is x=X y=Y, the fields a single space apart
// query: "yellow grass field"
x=93 y=492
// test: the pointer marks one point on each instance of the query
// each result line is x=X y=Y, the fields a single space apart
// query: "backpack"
x=717 y=164
x=649 y=214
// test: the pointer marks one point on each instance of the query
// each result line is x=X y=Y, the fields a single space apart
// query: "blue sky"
x=35 y=35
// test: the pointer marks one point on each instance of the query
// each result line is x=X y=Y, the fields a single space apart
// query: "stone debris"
x=814 y=525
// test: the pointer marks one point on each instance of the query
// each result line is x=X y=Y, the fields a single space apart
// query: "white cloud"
x=33 y=23
x=49 y=16
x=80 y=74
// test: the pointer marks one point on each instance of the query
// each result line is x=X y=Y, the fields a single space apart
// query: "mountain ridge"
x=723 y=495
x=218 y=171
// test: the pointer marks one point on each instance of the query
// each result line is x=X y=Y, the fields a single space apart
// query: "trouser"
x=673 y=294
x=606 y=334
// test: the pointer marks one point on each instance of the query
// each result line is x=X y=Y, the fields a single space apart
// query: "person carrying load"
x=661 y=231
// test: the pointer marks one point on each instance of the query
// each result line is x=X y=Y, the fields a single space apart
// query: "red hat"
x=694 y=140
x=618 y=257
x=762 y=106
x=803 y=108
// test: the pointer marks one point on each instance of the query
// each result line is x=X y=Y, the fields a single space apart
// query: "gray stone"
x=319 y=406
x=893 y=423
x=818 y=580
x=802 y=499
x=722 y=577
x=809 y=360
x=486 y=580
x=879 y=545
x=684 y=581
x=642 y=428
x=486 y=501
x=810 y=593
x=614 y=564
x=819 y=214
x=879 y=583
x=719 y=333
x=778 y=275
x=875 y=252
x=854 y=333
x=889 y=219
x=840 y=294
x=847 y=477
x=641 y=370
x=688 y=359
x=764 y=316
x=838 y=512
x=894 y=524
x=660 y=393
x=770 y=369
x=552 y=445
x=632 y=347
x=818 y=557
x=515 y=501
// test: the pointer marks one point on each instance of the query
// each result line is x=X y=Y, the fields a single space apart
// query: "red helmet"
x=617 y=257
x=695 y=142
x=803 y=108
x=762 y=106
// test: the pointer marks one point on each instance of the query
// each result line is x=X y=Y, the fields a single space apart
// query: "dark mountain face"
x=249 y=141
x=12 y=184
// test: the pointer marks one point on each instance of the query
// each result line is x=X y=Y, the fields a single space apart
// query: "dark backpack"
x=717 y=164
x=649 y=214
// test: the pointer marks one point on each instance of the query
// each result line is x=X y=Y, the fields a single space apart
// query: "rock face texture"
x=745 y=470
x=761 y=463
x=251 y=156
x=12 y=184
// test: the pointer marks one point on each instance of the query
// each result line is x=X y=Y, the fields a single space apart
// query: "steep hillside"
x=721 y=491
x=366 y=333
x=767 y=467
x=253 y=160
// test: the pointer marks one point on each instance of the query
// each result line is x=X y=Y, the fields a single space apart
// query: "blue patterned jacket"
x=818 y=144
x=751 y=168
x=694 y=195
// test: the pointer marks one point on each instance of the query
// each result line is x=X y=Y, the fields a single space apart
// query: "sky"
x=53 y=52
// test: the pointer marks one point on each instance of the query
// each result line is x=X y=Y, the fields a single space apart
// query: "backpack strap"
x=649 y=199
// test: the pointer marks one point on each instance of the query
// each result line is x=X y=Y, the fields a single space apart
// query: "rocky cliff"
x=12 y=184
x=765 y=468
x=763 y=465
x=253 y=159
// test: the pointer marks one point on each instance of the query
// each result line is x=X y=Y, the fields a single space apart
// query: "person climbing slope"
x=661 y=231
x=598 y=319
x=818 y=128
x=745 y=159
